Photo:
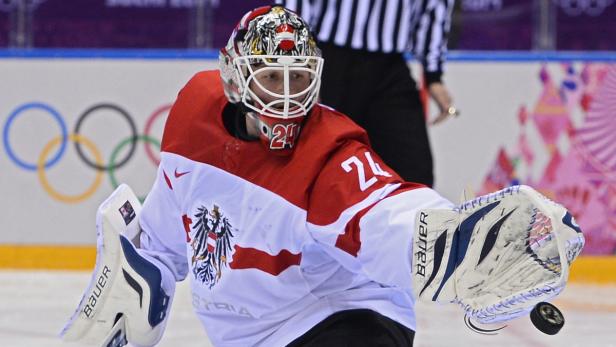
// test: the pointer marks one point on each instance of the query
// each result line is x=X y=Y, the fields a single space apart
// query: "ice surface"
x=34 y=306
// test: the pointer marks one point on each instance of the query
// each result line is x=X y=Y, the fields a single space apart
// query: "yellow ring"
x=40 y=170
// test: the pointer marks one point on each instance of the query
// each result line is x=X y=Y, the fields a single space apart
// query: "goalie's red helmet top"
x=272 y=65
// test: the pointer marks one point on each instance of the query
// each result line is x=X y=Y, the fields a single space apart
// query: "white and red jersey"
x=273 y=245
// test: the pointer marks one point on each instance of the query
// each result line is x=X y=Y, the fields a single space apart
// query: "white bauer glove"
x=125 y=301
x=497 y=255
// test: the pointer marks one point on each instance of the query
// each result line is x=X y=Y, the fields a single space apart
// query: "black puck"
x=547 y=318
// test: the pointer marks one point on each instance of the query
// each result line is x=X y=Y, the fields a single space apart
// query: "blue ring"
x=7 y=126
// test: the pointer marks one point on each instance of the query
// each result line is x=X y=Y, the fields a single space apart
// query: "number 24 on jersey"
x=364 y=182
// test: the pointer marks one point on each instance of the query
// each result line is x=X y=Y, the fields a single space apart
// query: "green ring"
x=114 y=154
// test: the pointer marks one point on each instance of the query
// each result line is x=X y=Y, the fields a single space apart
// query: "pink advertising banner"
x=574 y=118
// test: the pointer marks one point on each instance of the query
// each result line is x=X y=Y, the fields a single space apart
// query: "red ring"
x=148 y=125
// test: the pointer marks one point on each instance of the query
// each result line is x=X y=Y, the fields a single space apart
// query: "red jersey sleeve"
x=362 y=213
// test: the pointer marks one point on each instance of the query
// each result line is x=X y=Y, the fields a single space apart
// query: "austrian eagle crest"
x=211 y=245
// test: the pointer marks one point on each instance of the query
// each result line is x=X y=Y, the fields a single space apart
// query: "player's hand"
x=440 y=95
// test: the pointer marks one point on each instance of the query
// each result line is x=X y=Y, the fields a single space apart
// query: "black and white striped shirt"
x=386 y=26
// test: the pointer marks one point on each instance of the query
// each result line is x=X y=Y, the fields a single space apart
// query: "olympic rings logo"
x=93 y=157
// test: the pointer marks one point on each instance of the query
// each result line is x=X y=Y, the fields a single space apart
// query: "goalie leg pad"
x=497 y=255
x=125 y=299
x=159 y=300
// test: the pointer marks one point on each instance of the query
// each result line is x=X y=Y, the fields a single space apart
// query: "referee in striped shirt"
x=366 y=76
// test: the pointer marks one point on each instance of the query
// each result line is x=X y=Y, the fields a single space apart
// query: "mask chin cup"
x=278 y=135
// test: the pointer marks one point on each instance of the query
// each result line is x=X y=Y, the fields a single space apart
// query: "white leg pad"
x=124 y=300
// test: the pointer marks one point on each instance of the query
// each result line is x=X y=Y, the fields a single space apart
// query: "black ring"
x=133 y=129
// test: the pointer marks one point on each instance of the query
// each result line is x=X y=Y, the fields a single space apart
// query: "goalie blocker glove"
x=497 y=255
x=124 y=300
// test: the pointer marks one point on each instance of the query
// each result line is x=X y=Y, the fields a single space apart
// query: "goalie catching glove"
x=497 y=255
x=124 y=300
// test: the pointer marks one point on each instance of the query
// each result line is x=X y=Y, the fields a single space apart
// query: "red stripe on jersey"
x=167 y=180
x=187 y=221
x=251 y=258
x=350 y=241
